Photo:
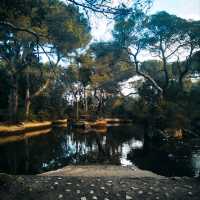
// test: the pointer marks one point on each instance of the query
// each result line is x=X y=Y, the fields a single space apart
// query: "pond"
x=118 y=145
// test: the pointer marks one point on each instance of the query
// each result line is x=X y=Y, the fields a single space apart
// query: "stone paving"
x=98 y=188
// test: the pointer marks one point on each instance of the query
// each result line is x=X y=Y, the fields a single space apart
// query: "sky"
x=188 y=9
x=102 y=27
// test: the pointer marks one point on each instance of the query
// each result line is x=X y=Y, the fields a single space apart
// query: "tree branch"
x=146 y=76
x=12 y=26
x=41 y=89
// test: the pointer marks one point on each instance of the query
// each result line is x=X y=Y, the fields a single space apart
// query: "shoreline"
x=22 y=131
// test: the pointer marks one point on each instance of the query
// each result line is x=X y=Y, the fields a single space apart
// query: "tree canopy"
x=50 y=66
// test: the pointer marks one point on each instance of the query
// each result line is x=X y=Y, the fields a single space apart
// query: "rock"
x=94 y=197
x=175 y=178
x=188 y=186
x=102 y=188
x=190 y=193
x=170 y=155
x=166 y=194
x=78 y=191
x=21 y=180
x=157 y=182
x=128 y=197
x=55 y=183
x=134 y=188
x=140 y=192
x=91 y=191
x=133 y=168
x=164 y=188
x=83 y=198
x=60 y=196
x=123 y=185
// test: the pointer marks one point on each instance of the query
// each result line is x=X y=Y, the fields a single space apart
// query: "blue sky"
x=188 y=9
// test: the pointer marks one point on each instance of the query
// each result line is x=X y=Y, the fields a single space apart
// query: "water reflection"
x=195 y=162
x=63 y=146
x=126 y=148
x=175 y=158
x=120 y=145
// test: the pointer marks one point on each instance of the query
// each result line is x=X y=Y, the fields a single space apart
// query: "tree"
x=21 y=48
x=169 y=37
x=163 y=35
x=73 y=34
x=110 y=68
x=130 y=34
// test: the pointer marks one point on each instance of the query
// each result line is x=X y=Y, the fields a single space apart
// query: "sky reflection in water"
x=119 y=145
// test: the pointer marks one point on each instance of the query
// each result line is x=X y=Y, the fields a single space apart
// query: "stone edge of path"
x=101 y=171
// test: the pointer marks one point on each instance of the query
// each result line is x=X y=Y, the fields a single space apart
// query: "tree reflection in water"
x=64 y=146
x=120 y=145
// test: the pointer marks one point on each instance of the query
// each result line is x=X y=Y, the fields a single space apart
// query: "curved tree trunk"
x=147 y=77
x=29 y=97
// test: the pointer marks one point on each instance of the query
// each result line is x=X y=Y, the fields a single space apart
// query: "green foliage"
x=74 y=30
x=28 y=33
x=90 y=80
x=111 y=65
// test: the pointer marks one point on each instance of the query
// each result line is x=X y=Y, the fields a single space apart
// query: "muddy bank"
x=23 y=127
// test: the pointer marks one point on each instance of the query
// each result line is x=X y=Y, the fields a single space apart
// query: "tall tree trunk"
x=27 y=104
x=77 y=109
x=164 y=60
x=86 y=104
x=187 y=66
x=16 y=100
x=27 y=98
x=85 y=99
x=13 y=100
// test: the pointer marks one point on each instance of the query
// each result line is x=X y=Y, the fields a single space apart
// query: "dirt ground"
x=101 y=171
x=102 y=185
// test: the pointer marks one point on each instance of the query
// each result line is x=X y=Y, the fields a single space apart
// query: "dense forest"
x=51 y=68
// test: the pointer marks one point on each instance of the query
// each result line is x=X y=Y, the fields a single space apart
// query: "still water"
x=118 y=145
